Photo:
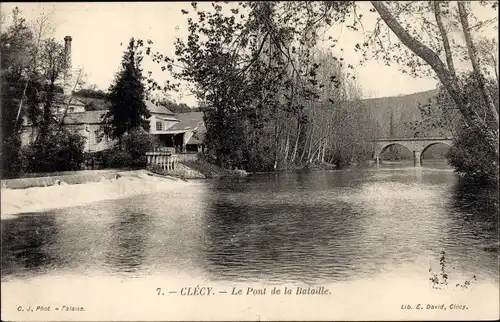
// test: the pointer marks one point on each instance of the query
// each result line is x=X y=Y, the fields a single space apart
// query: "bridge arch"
x=383 y=147
x=433 y=144
x=416 y=145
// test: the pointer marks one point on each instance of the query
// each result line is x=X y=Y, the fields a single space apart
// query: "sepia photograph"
x=249 y=161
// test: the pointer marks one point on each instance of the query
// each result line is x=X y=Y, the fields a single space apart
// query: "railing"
x=164 y=159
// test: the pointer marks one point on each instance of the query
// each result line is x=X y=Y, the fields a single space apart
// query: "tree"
x=91 y=92
x=488 y=51
x=446 y=71
x=16 y=44
x=265 y=93
x=127 y=109
x=479 y=122
x=32 y=68
x=252 y=37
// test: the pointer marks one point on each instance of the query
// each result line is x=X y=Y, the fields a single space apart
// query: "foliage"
x=117 y=158
x=15 y=45
x=442 y=277
x=473 y=157
x=32 y=68
x=162 y=99
x=210 y=170
x=61 y=151
x=255 y=68
x=91 y=93
x=265 y=88
x=440 y=280
x=132 y=153
x=178 y=108
x=11 y=156
x=127 y=110
x=471 y=154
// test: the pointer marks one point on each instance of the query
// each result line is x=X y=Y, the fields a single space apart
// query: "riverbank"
x=199 y=169
x=63 y=194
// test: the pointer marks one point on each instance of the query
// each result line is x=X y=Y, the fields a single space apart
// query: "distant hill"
x=404 y=109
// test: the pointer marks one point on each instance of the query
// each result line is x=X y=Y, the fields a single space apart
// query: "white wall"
x=165 y=126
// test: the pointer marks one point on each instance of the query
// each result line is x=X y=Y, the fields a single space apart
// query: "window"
x=97 y=137
x=159 y=126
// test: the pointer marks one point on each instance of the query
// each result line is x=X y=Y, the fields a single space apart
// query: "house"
x=183 y=131
x=187 y=134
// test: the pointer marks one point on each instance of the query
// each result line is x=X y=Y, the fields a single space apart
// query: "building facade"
x=85 y=116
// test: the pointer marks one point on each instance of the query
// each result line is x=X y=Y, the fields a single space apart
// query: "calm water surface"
x=335 y=226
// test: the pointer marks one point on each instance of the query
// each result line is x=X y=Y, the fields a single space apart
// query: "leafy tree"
x=16 y=43
x=128 y=109
x=132 y=154
x=258 y=83
x=274 y=44
x=32 y=69
x=91 y=93
x=60 y=151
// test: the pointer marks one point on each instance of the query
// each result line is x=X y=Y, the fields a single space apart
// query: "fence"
x=164 y=159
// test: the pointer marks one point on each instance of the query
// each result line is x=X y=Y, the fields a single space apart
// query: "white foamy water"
x=36 y=199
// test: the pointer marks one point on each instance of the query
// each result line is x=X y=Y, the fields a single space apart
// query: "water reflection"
x=475 y=208
x=126 y=249
x=285 y=237
x=27 y=242
x=332 y=225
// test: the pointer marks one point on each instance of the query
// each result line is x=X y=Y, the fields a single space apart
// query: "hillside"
x=404 y=110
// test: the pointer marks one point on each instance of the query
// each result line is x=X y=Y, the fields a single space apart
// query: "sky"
x=101 y=31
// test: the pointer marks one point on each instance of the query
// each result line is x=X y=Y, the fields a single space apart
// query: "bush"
x=117 y=158
x=132 y=151
x=473 y=157
x=11 y=157
x=210 y=170
x=59 y=151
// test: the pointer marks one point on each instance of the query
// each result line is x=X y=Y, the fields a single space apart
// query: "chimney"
x=67 y=74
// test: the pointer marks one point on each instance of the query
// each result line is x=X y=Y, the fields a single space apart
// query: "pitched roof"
x=158 y=109
x=87 y=117
x=92 y=104
x=188 y=121
x=65 y=99
x=197 y=138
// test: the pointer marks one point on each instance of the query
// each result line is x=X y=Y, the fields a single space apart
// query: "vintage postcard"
x=254 y=160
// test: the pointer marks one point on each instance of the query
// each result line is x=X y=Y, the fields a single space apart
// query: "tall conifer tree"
x=127 y=110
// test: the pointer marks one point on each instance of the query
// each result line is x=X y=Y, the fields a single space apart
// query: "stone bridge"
x=416 y=145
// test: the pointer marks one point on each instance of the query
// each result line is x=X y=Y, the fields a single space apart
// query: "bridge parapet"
x=416 y=145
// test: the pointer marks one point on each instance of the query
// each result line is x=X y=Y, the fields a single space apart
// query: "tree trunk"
x=444 y=37
x=471 y=48
x=294 y=155
x=449 y=81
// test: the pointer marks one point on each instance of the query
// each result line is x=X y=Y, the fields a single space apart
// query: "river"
x=362 y=232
